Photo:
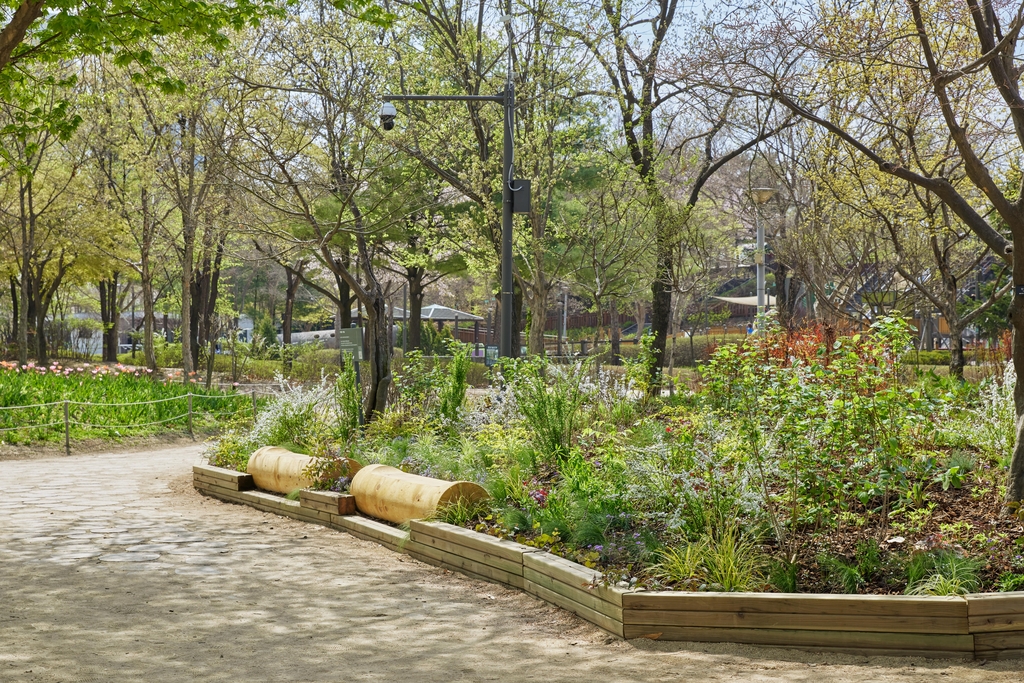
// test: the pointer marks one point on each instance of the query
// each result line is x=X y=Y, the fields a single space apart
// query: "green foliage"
x=348 y=397
x=782 y=575
x=330 y=471
x=105 y=401
x=831 y=422
x=683 y=566
x=431 y=391
x=1010 y=581
x=734 y=562
x=451 y=392
x=266 y=333
x=952 y=477
x=311 y=420
x=727 y=561
x=942 y=572
x=639 y=370
x=840 y=573
x=550 y=398
x=461 y=511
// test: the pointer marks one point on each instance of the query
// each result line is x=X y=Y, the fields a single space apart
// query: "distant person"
x=750 y=328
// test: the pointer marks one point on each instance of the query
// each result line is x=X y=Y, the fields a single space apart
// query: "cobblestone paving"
x=112 y=568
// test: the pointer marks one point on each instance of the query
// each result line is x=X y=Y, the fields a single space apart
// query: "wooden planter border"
x=982 y=626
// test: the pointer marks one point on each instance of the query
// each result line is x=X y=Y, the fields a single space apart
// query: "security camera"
x=387 y=115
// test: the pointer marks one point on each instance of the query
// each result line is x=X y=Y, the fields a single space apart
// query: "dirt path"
x=112 y=568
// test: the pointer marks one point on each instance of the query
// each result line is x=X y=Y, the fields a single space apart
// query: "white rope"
x=126 y=426
x=121 y=405
x=32 y=405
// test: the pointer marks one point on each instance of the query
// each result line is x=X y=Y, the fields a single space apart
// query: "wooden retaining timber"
x=328 y=501
x=982 y=626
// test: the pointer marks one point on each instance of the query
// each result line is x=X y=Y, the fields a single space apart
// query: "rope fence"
x=69 y=420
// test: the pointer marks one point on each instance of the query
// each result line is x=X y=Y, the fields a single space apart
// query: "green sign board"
x=350 y=340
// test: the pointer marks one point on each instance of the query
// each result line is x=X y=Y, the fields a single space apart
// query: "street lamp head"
x=387 y=115
x=762 y=195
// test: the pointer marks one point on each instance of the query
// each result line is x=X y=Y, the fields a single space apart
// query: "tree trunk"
x=27 y=247
x=148 y=322
x=195 y=319
x=517 y=320
x=291 y=288
x=378 y=339
x=956 y=352
x=188 y=236
x=661 y=313
x=15 y=286
x=415 y=313
x=1015 y=477
x=538 y=320
x=110 y=316
x=42 y=352
x=616 y=331
x=146 y=276
x=784 y=303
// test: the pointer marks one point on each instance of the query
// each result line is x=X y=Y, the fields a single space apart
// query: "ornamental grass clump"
x=943 y=572
x=728 y=561
x=550 y=399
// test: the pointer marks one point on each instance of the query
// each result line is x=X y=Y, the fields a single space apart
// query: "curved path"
x=112 y=568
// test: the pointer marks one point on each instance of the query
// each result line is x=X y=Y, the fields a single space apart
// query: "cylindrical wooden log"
x=278 y=469
x=396 y=496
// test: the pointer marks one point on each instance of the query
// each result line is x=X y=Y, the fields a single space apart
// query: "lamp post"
x=760 y=196
x=515 y=193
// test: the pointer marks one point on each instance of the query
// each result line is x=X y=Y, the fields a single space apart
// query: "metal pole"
x=190 y=433
x=67 y=429
x=254 y=406
x=759 y=260
x=405 y=318
x=505 y=349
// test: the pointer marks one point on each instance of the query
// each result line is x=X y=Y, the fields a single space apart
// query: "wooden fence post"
x=67 y=430
x=190 y=433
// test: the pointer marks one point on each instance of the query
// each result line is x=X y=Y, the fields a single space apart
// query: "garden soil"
x=113 y=568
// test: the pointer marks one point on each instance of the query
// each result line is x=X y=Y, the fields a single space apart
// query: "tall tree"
x=948 y=68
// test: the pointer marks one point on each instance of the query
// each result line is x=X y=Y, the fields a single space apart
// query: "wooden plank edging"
x=241 y=479
x=485 y=543
x=799 y=603
x=988 y=626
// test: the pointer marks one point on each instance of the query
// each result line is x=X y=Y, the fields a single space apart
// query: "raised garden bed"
x=982 y=626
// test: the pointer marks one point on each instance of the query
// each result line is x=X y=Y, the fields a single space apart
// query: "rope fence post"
x=190 y=432
x=254 y=406
x=67 y=429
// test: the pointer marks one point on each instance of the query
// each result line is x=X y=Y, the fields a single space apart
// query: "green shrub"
x=728 y=561
x=460 y=511
x=683 y=565
x=840 y=573
x=942 y=572
x=452 y=385
x=1010 y=581
x=550 y=398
